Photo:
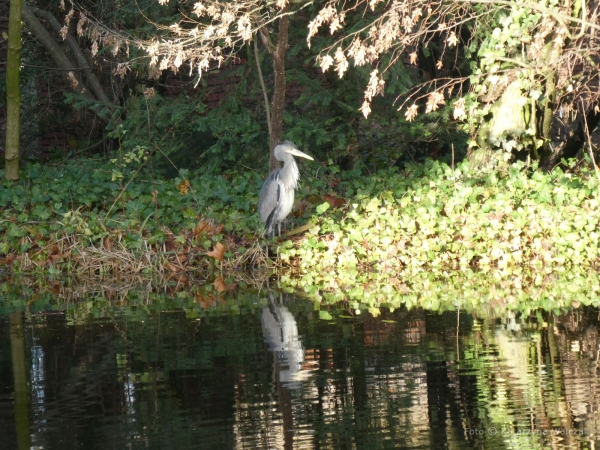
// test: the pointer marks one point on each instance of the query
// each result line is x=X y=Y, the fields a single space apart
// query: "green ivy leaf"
x=324 y=315
x=323 y=207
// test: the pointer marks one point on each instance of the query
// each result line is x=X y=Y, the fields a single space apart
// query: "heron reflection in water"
x=281 y=333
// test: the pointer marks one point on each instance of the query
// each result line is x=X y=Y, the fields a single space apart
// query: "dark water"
x=277 y=376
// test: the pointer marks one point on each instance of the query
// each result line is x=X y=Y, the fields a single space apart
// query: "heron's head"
x=288 y=148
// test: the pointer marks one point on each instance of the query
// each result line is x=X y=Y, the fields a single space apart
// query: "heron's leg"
x=266 y=235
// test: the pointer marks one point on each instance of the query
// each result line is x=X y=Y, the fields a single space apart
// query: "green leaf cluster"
x=432 y=219
x=83 y=199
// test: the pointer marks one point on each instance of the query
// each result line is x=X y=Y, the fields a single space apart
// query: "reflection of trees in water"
x=534 y=378
x=17 y=345
x=575 y=351
x=343 y=383
x=282 y=378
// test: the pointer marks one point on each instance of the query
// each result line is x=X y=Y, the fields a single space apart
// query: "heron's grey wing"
x=268 y=199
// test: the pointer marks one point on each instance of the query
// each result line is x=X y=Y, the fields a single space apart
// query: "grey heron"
x=277 y=194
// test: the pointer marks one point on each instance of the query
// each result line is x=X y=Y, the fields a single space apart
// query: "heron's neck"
x=290 y=172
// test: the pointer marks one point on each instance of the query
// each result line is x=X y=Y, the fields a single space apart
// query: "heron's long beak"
x=296 y=152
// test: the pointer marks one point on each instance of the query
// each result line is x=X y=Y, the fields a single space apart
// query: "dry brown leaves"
x=184 y=187
x=218 y=252
x=208 y=228
x=334 y=201
x=178 y=254
x=108 y=244
x=220 y=285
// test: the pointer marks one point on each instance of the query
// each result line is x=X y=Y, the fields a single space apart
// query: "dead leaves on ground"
x=333 y=200
x=218 y=252
x=207 y=228
x=8 y=260
x=182 y=256
x=177 y=254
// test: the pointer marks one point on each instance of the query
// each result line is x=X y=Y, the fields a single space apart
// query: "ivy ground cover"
x=389 y=232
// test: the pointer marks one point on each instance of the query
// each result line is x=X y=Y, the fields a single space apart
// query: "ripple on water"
x=278 y=377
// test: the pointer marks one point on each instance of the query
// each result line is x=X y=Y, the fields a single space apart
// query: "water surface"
x=271 y=373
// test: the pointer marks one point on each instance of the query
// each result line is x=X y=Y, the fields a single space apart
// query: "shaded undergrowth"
x=84 y=217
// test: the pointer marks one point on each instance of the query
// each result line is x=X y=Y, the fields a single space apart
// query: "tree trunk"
x=67 y=68
x=546 y=150
x=279 y=89
x=82 y=62
x=13 y=92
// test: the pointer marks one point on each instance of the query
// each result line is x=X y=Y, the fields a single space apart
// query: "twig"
x=588 y=139
x=299 y=230
x=262 y=85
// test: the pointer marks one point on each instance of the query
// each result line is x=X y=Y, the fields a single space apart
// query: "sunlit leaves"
x=434 y=101
x=459 y=112
x=325 y=62
x=439 y=219
x=341 y=62
x=323 y=207
x=411 y=113
x=452 y=40
x=327 y=15
x=365 y=108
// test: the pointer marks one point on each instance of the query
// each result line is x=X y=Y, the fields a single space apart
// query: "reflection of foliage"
x=471 y=290
x=423 y=379
x=516 y=363
x=474 y=293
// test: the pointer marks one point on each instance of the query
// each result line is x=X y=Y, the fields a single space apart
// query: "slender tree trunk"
x=279 y=90
x=263 y=87
x=13 y=92
x=69 y=70
x=82 y=62
x=546 y=150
